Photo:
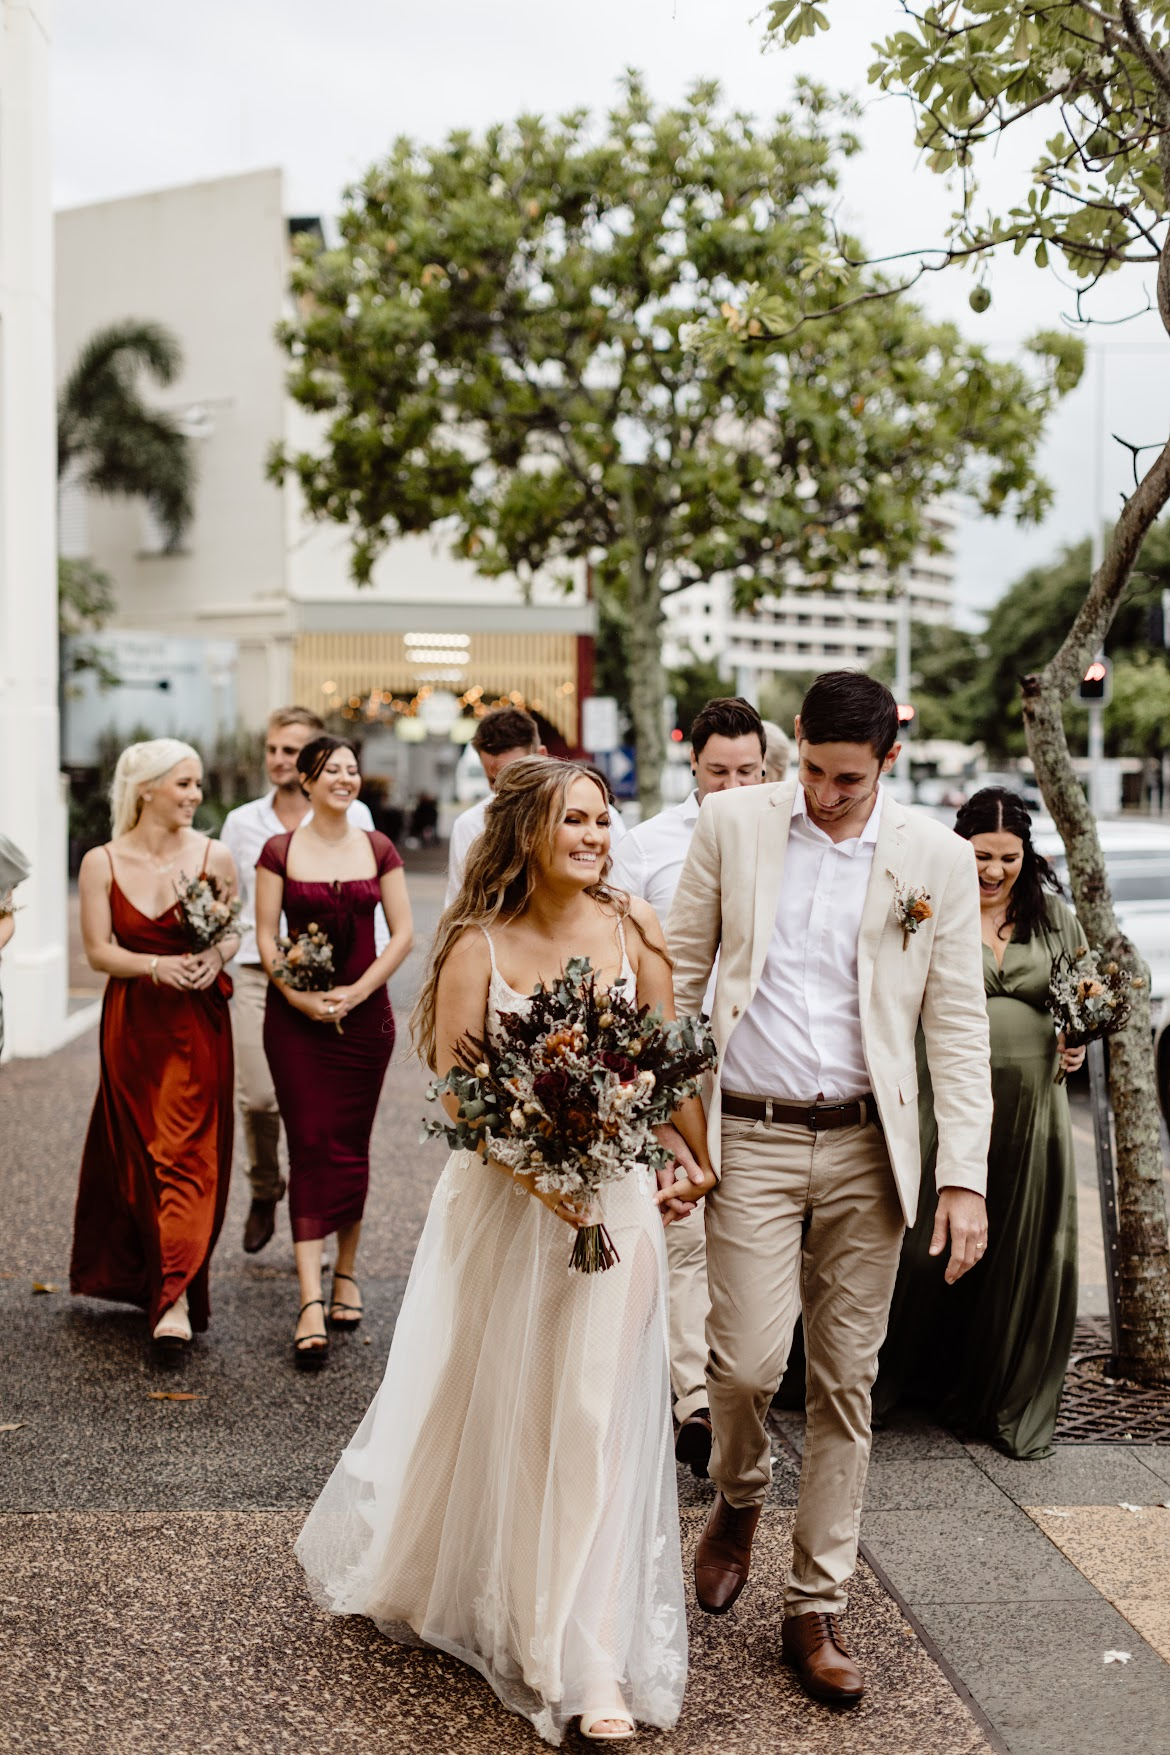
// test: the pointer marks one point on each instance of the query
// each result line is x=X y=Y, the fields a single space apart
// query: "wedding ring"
x=331 y=1009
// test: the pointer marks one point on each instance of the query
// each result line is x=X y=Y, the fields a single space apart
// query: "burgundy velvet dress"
x=328 y=1085
x=158 y=1155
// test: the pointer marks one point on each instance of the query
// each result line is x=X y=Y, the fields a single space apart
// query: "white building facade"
x=32 y=808
x=255 y=578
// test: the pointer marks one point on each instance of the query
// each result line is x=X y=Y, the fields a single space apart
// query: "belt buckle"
x=818 y=1111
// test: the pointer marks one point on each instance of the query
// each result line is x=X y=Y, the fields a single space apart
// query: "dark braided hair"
x=995 y=811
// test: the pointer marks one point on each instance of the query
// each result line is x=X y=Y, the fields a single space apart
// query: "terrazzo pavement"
x=151 y=1604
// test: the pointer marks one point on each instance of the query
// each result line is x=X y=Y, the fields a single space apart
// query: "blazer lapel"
x=771 y=846
x=879 y=895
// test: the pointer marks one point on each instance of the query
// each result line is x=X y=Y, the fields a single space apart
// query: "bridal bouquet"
x=572 y=1091
x=1089 y=1001
x=208 y=914
x=304 y=962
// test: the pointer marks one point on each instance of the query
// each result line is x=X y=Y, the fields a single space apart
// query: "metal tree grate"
x=1096 y=1408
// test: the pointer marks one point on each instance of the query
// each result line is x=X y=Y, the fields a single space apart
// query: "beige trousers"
x=801 y=1220
x=686 y=1261
x=257 y=1098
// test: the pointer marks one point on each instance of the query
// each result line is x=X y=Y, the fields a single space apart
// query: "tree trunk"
x=647 y=680
x=1144 y=1251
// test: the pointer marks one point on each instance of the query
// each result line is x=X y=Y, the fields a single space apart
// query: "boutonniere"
x=911 y=907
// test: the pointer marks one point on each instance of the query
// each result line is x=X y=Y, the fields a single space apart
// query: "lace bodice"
x=504 y=998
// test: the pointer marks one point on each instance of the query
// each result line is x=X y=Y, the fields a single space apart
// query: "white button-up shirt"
x=467 y=829
x=800 y=1038
x=244 y=833
x=650 y=859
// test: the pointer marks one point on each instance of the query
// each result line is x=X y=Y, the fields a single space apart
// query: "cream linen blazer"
x=726 y=902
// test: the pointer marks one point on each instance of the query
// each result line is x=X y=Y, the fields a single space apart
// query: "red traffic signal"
x=1095 y=688
x=906 y=713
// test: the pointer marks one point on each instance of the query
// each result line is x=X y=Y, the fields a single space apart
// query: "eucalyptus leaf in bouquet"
x=571 y=1090
x=1089 y=999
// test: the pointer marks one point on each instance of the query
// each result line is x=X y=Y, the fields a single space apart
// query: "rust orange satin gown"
x=158 y=1155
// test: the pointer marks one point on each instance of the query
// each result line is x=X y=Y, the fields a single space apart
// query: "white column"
x=32 y=804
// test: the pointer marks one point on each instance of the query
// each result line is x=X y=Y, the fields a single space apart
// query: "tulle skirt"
x=510 y=1495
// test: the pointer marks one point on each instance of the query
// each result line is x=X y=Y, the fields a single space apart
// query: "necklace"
x=327 y=840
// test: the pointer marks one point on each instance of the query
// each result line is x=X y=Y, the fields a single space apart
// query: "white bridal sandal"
x=173 y=1328
x=600 y=1715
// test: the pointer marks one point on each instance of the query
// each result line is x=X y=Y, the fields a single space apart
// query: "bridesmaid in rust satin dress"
x=329 y=874
x=157 y=1158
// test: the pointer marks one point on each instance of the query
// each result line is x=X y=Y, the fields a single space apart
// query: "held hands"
x=683 y=1182
x=1071 y=1059
x=962 y=1215
x=326 y=1008
x=559 y=1205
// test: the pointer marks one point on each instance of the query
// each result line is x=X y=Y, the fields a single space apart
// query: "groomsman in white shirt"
x=503 y=736
x=727 y=750
x=245 y=831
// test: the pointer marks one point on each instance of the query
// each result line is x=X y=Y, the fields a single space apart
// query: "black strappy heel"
x=310 y=1357
x=354 y=1319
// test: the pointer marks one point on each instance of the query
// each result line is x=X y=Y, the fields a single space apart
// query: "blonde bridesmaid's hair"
x=139 y=765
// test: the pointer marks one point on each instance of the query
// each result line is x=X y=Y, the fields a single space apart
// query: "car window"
x=1134 y=877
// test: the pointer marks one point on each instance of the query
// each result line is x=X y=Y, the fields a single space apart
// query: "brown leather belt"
x=817 y=1116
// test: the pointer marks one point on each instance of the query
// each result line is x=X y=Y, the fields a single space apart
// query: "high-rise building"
x=848 y=626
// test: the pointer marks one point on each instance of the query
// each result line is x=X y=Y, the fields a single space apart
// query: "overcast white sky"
x=148 y=93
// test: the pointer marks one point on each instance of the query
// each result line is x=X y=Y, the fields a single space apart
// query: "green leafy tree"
x=1097 y=73
x=502 y=346
x=944 y=683
x=110 y=442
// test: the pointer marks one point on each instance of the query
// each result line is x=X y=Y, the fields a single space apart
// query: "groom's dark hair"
x=846 y=706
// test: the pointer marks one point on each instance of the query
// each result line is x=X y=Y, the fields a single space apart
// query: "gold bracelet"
x=154 y=971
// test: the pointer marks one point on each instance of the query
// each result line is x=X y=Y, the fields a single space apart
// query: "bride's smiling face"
x=580 y=843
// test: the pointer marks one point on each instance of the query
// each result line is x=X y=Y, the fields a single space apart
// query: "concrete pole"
x=32 y=802
x=1096 y=742
x=902 y=677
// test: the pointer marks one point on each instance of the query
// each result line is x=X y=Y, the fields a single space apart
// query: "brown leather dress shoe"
x=259 y=1225
x=692 y=1444
x=815 y=1646
x=723 y=1555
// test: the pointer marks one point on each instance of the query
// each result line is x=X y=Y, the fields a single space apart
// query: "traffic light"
x=1095 y=688
x=906 y=713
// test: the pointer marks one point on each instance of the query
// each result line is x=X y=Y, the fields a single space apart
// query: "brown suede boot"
x=815 y=1646
x=723 y=1555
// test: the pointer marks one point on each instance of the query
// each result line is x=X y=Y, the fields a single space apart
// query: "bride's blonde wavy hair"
x=501 y=874
x=139 y=765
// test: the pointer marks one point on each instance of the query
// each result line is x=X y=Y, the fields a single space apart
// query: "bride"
x=510 y=1495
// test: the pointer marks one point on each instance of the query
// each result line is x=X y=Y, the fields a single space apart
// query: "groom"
x=840 y=920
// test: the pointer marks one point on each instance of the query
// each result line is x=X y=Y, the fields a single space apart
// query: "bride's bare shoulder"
x=469 y=957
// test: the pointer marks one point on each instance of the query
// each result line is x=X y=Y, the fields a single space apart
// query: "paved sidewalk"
x=151 y=1604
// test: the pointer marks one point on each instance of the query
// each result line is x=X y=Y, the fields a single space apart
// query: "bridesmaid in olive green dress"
x=989 y=1354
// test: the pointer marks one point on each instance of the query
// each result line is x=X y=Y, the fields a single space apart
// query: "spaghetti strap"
x=110 y=857
x=206 y=851
x=491 y=949
x=622 y=938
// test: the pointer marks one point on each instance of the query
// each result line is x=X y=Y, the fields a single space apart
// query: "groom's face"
x=840 y=780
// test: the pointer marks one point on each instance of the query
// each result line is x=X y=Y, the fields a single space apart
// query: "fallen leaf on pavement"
x=174 y=1395
x=1117 y=1657
x=1124 y=1505
x=45 y=1286
x=14 y=1426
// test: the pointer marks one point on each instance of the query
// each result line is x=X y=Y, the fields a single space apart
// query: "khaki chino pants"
x=812 y=1221
x=686 y=1261
x=257 y=1098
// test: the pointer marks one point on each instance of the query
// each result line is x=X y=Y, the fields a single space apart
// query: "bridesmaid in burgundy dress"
x=157 y=1159
x=328 y=874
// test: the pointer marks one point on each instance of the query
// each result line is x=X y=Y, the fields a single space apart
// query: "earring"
x=147 y=796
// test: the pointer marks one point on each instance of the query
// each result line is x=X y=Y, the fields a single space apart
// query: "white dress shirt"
x=244 y=833
x=800 y=1038
x=651 y=857
x=467 y=829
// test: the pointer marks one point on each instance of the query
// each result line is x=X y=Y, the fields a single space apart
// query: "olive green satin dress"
x=990 y=1353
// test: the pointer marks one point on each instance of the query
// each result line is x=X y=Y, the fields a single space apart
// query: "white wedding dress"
x=510 y=1495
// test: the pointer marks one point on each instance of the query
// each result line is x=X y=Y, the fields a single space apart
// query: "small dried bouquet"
x=1089 y=1000
x=572 y=1090
x=209 y=915
x=304 y=962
